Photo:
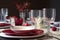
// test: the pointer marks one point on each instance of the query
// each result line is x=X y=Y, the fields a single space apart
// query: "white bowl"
x=22 y=28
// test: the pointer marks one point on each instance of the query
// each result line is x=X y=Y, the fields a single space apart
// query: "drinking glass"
x=3 y=14
x=36 y=17
x=49 y=15
x=24 y=14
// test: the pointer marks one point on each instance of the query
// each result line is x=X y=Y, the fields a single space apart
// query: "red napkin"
x=26 y=33
x=4 y=24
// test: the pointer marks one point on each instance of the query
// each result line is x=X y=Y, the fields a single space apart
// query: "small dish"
x=17 y=29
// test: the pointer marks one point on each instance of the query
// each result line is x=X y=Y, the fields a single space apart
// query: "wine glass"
x=3 y=14
x=36 y=17
x=49 y=15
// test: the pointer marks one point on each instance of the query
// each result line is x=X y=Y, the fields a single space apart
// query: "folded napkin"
x=4 y=24
x=21 y=33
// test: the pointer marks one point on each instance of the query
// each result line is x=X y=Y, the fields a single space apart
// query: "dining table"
x=45 y=36
x=38 y=37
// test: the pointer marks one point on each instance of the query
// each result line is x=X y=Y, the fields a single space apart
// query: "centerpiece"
x=19 y=24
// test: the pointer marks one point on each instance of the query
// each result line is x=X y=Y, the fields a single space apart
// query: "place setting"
x=4 y=21
x=24 y=28
x=34 y=26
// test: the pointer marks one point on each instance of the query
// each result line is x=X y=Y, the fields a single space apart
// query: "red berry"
x=54 y=28
x=26 y=24
x=15 y=16
x=19 y=21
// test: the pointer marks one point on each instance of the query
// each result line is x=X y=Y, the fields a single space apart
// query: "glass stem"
x=22 y=15
x=48 y=29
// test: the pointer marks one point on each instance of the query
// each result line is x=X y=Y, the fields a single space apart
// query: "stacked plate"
x=4 y=25
x=24 y=31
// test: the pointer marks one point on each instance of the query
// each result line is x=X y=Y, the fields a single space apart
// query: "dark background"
x=35 y=4
x=56 y=4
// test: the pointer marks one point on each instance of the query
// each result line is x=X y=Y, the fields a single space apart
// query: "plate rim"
x=8 y=36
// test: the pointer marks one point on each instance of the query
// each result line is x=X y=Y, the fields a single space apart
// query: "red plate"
x=4 y=24
x=30 y=33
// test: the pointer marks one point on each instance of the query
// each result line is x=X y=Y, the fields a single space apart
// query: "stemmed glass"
x=49 y=15
x=3 y=14
x=36 y=17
